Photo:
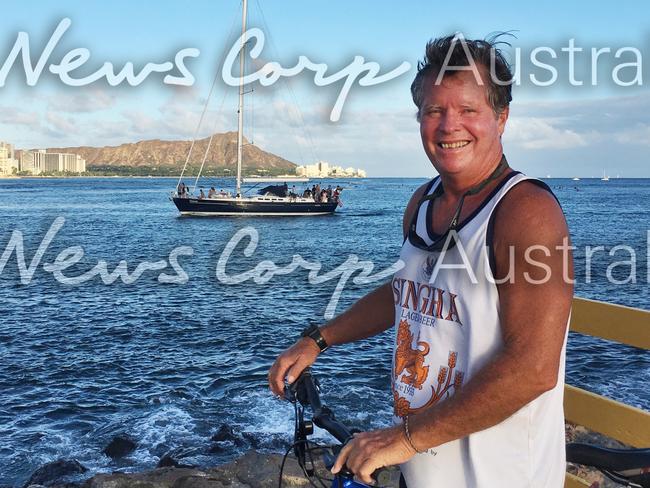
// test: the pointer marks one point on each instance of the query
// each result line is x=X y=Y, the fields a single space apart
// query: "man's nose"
x=449 y=121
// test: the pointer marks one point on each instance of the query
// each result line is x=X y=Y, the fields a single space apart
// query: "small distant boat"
x=605 y=177
x=576 y=179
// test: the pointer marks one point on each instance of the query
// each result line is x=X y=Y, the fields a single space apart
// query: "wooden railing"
x=622 y=422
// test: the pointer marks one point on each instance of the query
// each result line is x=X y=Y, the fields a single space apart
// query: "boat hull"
x=228 y=207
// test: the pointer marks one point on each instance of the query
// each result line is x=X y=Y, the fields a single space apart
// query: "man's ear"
x=502 y=118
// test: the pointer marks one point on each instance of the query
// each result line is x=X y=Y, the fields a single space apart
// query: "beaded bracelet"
x=408 y=435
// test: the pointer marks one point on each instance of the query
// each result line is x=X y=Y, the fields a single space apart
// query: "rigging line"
x=205 y=108
x=300 y=120
x=196 y=132
x=207 y=150
x=291 y=92
x=252 y=117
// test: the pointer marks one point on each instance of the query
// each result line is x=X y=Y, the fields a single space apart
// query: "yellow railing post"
x=627 y=424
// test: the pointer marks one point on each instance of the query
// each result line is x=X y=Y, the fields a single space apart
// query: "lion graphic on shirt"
x=410 y=359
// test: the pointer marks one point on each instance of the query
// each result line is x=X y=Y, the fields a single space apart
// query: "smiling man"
x=478 y=362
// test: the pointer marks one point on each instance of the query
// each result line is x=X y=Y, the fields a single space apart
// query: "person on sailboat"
x=481 y=326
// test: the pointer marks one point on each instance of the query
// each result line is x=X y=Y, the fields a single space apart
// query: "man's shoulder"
x=412 y=205
x=528 y=190
x=421 y=191
x=527 y=212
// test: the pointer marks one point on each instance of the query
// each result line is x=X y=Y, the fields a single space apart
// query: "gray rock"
x=198 y=482
x=158 y=478
x=253 y=470
x=218 y=448
x=224 y=433
x=55 y=472
x=121 y=445
x=172 y=458
x=262 y=471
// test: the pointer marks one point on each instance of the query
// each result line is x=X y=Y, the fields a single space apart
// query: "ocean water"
x=170 y=362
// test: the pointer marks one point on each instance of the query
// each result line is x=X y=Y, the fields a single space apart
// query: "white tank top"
x=447 y=329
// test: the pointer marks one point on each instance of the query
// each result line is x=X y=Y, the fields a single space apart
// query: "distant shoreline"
x=189 y=177
x=186 y=177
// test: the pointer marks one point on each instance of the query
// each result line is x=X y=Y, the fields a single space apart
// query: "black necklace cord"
x=498 y=171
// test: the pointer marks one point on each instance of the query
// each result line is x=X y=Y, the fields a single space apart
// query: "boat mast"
x=240 y=111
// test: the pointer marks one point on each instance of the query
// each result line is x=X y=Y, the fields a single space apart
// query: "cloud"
x=83 y=100
x=638 y=134
x=16 y=116
x=174 y=120
x=60 y=126
x=538 y=133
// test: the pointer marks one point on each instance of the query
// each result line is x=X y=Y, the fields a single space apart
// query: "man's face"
x=459 y=129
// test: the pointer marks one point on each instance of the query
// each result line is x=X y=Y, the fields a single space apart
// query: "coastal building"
x=323 y=169
x=32 y=162
x=8 y=163
x=41 y=161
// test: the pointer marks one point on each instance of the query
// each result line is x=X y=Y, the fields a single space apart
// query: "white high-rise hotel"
x=322 y=169
x=8 y=164
x=37 y=162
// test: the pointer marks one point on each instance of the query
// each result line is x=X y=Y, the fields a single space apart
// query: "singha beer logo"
x=410 y=373
x=409 y=358
x=423 y=303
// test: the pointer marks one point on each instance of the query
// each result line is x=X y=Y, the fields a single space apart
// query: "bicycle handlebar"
x=306 y=392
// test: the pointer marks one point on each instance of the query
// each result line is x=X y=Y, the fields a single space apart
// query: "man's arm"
x=533 y=319
x=370 y=315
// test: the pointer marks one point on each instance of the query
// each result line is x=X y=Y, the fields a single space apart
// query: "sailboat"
x=605 y=177
x=276 y=201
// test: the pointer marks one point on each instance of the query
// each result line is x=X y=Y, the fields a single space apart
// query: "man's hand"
x=368 y=451
x=291 y=363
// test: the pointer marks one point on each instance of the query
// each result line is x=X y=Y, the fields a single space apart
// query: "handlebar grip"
x=304 y=391
x=306 y=388
x=381 y=476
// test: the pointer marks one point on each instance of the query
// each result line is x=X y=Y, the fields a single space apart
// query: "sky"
x=559 y=130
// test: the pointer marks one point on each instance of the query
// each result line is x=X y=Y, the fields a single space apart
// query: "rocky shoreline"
x=253 y=470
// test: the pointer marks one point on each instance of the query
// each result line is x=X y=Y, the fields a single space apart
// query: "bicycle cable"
x=320 y=479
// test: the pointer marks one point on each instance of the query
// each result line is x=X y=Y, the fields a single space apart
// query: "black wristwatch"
x=314 y=333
